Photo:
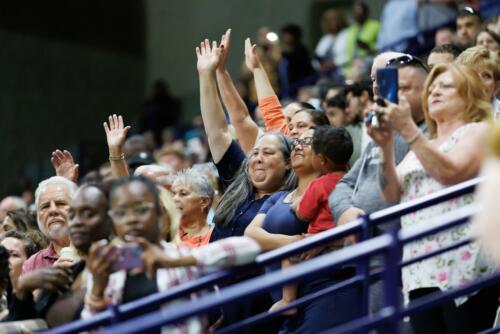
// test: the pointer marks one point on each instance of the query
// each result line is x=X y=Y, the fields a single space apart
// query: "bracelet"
x=94 y=302
x=117 y=157
x=414 y=138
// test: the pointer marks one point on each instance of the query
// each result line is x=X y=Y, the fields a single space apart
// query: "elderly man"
x=52 y=198
x=11 y=203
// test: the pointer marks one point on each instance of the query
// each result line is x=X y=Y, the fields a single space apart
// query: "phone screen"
x=387 y=82
x=129 y=258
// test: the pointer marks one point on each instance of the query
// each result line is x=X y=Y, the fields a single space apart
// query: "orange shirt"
x=195 y=241
x=274 y=119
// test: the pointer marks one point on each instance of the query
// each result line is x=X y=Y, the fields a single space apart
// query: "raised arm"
x=246 y=128
x=116 y=133
x=214 y=120
x=266 y=240
x=64 y=165
x=270 y=107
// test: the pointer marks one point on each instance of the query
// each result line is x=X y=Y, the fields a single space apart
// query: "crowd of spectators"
x=299 y=145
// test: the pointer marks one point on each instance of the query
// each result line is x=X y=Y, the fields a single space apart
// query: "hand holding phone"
x=387 y=82
x=129 y=257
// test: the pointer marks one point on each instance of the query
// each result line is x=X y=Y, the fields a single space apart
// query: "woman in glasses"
x=278 y=225
x=456 y=110
x=119 y=276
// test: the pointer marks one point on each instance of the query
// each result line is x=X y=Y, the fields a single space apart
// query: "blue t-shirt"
x=228 y=166
x=280 y=219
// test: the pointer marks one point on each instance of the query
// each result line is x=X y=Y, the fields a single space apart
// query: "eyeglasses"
x=307 y=141
x=139 y=210
x=407 y=60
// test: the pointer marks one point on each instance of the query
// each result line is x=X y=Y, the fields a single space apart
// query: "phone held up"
x=129 y=257
x=387 y=82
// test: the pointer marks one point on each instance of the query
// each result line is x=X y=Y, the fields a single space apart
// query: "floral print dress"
x=446 y=270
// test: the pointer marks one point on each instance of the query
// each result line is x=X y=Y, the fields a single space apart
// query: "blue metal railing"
x=359 y=226
x=389 y=316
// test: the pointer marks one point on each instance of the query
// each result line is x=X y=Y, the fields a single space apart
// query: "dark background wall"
x=66 y=65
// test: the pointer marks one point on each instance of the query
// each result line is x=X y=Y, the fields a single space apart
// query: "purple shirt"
x=41 y=259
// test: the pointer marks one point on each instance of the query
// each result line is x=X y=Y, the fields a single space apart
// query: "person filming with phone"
x=456 y=112
x=141 y=263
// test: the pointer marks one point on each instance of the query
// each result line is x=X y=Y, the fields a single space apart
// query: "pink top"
x=41 y=259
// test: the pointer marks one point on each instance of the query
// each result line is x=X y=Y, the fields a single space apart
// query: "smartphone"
x=387 y=82
x=129 y=257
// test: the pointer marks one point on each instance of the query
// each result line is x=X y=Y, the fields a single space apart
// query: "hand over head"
x=252 y=59
x=208 y=56
x=64 y=165
x=225 y=43
x=116 y=133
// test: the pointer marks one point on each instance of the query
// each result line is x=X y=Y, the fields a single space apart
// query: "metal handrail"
x=139 y=306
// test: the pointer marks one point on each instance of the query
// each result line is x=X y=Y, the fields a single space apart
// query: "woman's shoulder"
x=469 y=130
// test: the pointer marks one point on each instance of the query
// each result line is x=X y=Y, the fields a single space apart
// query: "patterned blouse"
x=212 y=257
x=447 y=270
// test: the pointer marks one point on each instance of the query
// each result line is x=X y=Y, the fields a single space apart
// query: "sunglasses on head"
x=469 y=10
x=407 y=60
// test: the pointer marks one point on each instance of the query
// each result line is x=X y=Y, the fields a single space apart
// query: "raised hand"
x=208 y=57
x=64 y=165
x=225 y=43
x=252 y=59
x=116 y=133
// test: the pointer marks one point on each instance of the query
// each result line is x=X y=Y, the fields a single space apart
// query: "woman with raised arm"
x=116 y=134
x=294 y=119
x=456 y=109
x=246 y=129
x=248 y=180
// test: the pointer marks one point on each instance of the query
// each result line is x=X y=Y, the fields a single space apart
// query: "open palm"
x=116 y=132
x=64 y=165
x=251 y=58
x=208 y=56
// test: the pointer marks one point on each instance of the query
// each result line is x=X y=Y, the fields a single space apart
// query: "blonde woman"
x=457 y=111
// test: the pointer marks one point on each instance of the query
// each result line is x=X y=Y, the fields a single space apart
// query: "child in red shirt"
x=332 y=148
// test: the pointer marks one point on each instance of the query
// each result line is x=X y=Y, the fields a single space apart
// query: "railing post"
x=391 y=278
x=363 y=268
x=115 y=317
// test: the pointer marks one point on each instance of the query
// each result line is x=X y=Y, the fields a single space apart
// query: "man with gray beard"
x=52 y=198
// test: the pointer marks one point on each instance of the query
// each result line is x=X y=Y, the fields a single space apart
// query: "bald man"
x=358 y=192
